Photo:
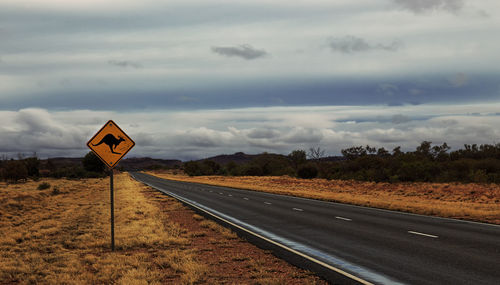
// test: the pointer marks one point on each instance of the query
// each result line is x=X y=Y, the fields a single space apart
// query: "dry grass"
x=49 y=237
x=63 y=237
x=225 y=232
x=477 y=202
x=231 y=260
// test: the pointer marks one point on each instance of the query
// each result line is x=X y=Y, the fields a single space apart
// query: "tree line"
x=428 y=163
x=22 y=168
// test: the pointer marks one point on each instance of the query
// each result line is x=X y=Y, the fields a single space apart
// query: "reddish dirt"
x=231 y=259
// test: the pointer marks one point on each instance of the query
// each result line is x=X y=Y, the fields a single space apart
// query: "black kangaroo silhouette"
x=111 y=141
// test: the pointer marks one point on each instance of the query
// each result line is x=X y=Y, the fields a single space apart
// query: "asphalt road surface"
x=367 y=245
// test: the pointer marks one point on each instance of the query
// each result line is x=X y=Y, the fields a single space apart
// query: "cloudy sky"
x=193 y=78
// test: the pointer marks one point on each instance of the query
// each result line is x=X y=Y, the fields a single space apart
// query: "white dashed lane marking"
x=246 y=198
x=422 y=234
x=230 y=195
x=342 y=218
x=267 y=203
x=298 y=209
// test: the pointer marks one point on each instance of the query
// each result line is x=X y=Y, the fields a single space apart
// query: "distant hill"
x=148 y=163
x=238 y=158
x=126 y=164
x=138 y=163
x=63 y=161
x=242 y=158
x=333 y=158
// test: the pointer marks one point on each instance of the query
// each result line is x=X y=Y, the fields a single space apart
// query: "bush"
x=251 y=170
x=76 y=172
x=55 y=191
x=92 y=163
x=14 y=171
x=32 y=166
x=43 y=186
x=307 y=171
x=192 y=168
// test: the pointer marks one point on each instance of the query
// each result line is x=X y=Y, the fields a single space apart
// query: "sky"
x=190 y=79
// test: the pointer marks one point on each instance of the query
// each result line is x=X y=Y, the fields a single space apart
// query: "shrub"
x=14 y=171
x=251 y=170
x=55 y=191
x=32 y=166
x=43 y=186
x=307 y=171
x=92 y=163
x=192 y=168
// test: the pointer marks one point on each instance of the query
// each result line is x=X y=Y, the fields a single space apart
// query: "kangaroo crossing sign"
x=110 y=144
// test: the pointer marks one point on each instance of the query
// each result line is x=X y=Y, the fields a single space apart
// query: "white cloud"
x=202 y=133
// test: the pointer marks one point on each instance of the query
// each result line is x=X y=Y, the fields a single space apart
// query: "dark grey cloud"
x=124 y=63
x=353 y=44
x=423 y=6
x=263 y=134
x=400 y=119
x=256 y=93
x=244 y=51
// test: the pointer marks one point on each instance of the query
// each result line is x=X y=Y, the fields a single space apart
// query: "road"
x=364 y=245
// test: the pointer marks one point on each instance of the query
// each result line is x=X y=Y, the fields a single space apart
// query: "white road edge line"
x=342 y=218
x=422 y=234
x=298 y=209
x=333 y=268
x=267 y=203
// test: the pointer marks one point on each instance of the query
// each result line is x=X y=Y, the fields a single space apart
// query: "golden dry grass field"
x=61 y=235
x=475 y=202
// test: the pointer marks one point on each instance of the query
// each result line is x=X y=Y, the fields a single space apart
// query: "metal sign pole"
x=111 y=144
x=112 y=209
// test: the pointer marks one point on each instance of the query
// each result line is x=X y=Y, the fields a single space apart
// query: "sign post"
x=111 y=144
x=112 y=202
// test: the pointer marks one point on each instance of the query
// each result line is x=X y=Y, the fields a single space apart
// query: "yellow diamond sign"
x=110 y=144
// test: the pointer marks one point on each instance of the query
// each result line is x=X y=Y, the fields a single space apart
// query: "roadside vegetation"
x=428 y=163
x=57 y=231
x=24 y=168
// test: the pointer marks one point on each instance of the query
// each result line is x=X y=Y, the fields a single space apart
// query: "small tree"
x=397 y=151
x=231 y=168
x=297 y=157
x=32 y=165
x=14 y=171
x=424 y=149
x=354 y=152
x=92 y=163
x=316 y=153
x=192 y=168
